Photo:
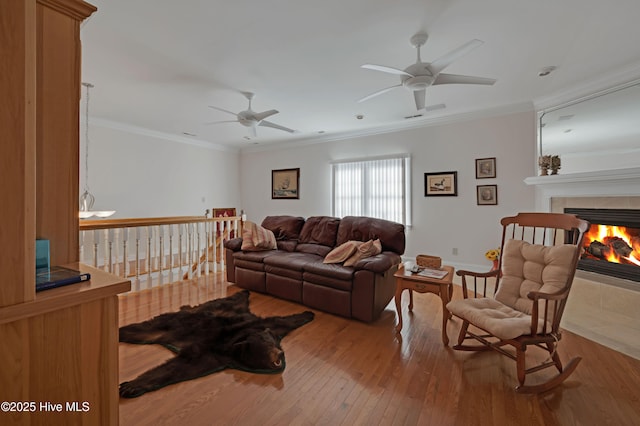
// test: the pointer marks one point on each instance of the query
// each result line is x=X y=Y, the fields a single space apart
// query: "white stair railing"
x=155 y=251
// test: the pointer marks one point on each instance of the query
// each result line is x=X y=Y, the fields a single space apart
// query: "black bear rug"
x=210 y=337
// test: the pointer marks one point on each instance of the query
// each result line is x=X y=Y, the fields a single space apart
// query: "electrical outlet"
x=454 y=250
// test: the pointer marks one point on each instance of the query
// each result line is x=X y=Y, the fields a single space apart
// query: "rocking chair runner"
x=539 y=255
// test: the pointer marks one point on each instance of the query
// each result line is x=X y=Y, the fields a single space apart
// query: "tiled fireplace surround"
x=600 y=308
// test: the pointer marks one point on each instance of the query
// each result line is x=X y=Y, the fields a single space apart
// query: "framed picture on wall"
x=487 y=195
x=285 y=184
x=224 y=212
x=439 y=184
x=485 y=168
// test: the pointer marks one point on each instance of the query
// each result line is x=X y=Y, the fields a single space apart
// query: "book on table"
x=433 y=273
x=58 y=276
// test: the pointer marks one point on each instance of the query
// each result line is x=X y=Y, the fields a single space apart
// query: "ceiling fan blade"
x=446 y=60
x=435 y=107
x=252 y=130
x=218 y=122
x=379 y=92
x=262 y=115
x=223 y=110
x=418 y=95
x=266 y=123
x=462 y=79
x=389 y=70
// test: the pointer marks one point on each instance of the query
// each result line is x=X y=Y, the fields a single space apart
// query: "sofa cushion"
x=284 y=227
x=320 y=230
x=253 y=256
x=330 y=270
x=287 y=245
x=368 y=249
x=328 y=281
x=380 y=263
x=255 y=237
x=390 y=234
x=294 y=261
x=317 y=249
x=342 y=252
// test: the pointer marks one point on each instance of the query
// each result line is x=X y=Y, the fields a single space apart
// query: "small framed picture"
x=224 y=212
x=487 y=195
x=285 y=184
x=485 y=168
x=439 y=184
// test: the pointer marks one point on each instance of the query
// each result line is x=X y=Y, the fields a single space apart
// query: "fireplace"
x=612 y=244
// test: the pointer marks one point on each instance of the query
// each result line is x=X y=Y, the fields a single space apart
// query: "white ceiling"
x=158 y=64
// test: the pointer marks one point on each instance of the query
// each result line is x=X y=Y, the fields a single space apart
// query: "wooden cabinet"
x=58 y=346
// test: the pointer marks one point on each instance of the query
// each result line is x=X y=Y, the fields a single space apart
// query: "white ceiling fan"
x=252 y=119
x=417 y=77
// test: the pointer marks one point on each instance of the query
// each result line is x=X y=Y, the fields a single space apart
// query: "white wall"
x=142 y=175
x=439 y=223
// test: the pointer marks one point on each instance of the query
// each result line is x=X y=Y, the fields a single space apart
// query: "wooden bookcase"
x=58 y=346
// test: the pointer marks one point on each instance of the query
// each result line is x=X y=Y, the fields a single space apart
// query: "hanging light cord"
x=86 y=139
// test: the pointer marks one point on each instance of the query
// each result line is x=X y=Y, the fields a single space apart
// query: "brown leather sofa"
x=295 y=270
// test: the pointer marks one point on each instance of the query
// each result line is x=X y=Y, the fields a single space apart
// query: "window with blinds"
x=378 y=187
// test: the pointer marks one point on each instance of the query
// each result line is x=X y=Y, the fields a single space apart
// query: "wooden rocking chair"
x=539 y=255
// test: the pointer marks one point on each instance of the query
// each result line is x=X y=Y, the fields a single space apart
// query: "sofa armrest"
x=234 y=244
x=379 y=263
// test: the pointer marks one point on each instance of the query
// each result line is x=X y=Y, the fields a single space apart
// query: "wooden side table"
x=405 y=280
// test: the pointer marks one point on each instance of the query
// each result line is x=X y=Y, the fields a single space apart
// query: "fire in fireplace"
x=617 y=244
x=612 y=244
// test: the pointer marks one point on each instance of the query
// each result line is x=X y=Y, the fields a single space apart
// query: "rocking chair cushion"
x=494 y=317
x=532 y=267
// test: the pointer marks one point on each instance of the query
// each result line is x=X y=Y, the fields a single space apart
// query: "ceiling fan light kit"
x=421 y=75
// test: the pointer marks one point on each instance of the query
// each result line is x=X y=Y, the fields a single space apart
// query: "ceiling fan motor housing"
x=246 y=118
x=422 y=76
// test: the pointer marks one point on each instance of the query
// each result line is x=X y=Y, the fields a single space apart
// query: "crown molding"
x=396 y=127
x=612 y=81
x=159 y=135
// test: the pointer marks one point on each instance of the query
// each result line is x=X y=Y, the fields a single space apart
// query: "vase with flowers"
x=494 y=256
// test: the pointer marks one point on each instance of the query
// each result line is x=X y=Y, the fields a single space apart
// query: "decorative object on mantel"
x=555 y=164
x=544 y=162
x=87 y=199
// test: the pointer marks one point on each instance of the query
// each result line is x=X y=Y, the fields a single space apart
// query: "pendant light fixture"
x=87 y=199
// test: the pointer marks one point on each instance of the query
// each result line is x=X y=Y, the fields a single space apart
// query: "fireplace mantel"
x=600 y=183
x=595 y=176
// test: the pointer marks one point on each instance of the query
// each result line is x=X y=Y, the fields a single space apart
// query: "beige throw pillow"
x=368 y=249
x=342 y=252
x=255 y=238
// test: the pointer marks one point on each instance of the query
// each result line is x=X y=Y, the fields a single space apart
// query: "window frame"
x=406 y=179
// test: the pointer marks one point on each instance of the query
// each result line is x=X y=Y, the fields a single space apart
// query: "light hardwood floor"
x=341 y=371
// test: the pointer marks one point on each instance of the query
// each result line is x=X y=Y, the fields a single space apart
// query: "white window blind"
x=373 y=187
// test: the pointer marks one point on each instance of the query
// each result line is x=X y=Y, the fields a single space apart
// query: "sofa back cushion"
x=390 y=234
x=284 y=227
x=320 y=230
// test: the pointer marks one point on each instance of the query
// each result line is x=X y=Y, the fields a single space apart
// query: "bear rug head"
x=210 y=337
